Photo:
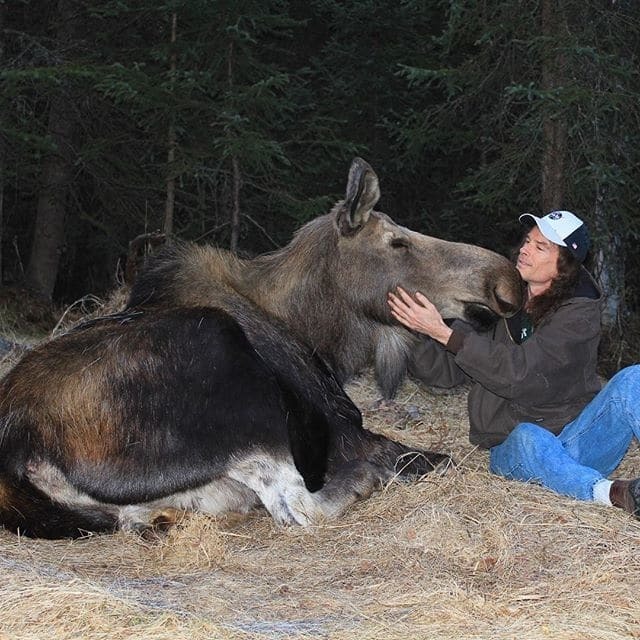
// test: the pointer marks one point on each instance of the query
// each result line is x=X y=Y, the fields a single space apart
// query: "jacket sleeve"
x=432 y=364
x=540 y=369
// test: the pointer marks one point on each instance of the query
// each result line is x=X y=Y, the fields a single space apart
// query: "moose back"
x=219 y=387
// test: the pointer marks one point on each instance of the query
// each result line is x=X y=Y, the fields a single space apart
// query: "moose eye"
x=399 y=243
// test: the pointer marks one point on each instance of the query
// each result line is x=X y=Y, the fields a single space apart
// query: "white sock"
x=601 y=491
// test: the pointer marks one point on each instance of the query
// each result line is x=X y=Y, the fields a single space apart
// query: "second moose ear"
x=363 y=192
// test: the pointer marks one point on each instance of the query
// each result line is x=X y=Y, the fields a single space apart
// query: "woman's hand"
x=418 y=314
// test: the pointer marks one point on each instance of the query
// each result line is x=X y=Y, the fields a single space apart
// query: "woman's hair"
x=561 y=289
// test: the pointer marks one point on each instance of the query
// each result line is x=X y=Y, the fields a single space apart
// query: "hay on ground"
x=465 y=555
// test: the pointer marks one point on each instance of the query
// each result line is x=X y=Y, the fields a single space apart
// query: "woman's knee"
x=627 y=379
x=525 y=435
x=511 y=458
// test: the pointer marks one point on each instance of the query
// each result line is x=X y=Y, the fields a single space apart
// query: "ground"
x=465 y=555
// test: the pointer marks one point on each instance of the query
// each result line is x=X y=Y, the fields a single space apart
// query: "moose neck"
x=297 y=286
x=301 y=287
x=289 y=283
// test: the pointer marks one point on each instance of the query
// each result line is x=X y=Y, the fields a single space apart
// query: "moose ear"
x=363 y=192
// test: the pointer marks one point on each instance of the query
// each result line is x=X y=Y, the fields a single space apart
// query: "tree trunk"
x=167 y=226
x=554 y=129
x=236 y=176
x=3 y=148
x=235 y=210
x=49 y=235
x=57 y=172
x=2 y=165
x=609 y=268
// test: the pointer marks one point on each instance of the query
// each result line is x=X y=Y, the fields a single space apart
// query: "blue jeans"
x=587 y=449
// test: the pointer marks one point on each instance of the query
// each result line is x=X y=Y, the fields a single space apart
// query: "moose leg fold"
x=282 y=490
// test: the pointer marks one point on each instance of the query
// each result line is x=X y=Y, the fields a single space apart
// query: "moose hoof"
x=156 y=526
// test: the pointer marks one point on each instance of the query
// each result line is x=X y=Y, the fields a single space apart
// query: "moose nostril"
x=508 y=297
x=507 y=309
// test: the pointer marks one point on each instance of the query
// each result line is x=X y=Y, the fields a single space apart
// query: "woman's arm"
x=537 y=370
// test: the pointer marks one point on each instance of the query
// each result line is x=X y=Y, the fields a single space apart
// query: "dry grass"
x=467 y=555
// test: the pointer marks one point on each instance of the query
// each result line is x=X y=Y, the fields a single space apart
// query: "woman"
x=536 y=401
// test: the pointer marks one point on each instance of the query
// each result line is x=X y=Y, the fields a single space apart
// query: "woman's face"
x=538 y=261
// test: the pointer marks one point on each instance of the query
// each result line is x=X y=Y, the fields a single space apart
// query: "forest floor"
x=464 y=555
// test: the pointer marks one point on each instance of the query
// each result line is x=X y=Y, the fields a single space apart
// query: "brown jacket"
x=547 y=380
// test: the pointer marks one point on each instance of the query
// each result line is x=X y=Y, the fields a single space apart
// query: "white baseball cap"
x=565 y=229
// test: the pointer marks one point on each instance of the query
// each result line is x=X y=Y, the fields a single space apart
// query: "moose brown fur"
x=219 y=386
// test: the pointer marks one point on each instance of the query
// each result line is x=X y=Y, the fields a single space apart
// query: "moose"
x=219 y=386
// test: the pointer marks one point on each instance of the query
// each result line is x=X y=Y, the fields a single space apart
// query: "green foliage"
x=485 y=104
x=447 y=100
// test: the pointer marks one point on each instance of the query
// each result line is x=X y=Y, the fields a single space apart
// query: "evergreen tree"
x=235 y=121
x=360 y=48
x=534 y=111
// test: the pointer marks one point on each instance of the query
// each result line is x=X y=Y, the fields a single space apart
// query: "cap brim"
x=545 y=229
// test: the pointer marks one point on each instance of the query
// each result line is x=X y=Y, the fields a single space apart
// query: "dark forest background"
x=234 y=122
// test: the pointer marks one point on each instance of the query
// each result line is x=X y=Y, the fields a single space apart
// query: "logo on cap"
x=555 y=215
